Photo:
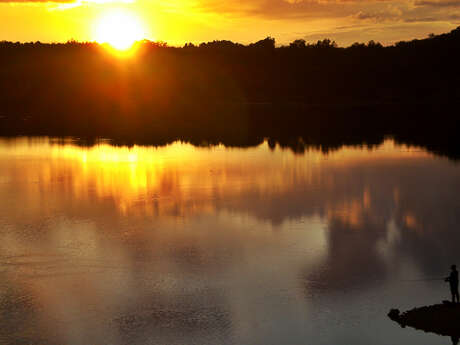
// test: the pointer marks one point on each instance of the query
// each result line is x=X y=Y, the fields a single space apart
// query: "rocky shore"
x=443 y=319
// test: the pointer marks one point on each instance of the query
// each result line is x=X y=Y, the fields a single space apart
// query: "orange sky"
x=180 y=21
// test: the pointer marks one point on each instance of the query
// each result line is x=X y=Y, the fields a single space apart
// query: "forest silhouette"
x=297 y=96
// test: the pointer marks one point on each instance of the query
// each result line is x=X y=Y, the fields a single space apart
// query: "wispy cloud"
x=439 y=4
x=390 y=13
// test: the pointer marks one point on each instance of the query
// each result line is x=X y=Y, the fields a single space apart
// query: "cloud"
x=381 y=16
x=418 y=20
x=439 y=4
x=277 y=9
x=432 y=15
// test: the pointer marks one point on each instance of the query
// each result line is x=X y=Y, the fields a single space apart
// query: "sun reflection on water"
x=119 y=244
x=139 y=174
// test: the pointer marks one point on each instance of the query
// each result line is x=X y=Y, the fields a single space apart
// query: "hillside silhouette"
x=298 y=95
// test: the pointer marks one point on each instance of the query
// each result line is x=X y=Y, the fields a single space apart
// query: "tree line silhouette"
x=224 y=92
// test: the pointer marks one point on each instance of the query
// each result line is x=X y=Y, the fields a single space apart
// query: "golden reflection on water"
x=124 y=245
x=142 y=175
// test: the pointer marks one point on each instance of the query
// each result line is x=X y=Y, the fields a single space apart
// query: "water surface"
x=188 y=245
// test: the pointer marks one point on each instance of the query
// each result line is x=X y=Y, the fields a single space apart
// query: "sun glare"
x=119 y=29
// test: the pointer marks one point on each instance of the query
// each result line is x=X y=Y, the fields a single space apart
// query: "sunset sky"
x=180 y=21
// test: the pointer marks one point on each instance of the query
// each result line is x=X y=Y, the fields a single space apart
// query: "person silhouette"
x=453 y=282
x=454 y=339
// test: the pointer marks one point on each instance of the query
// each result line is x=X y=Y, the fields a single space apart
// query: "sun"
x=119 y=29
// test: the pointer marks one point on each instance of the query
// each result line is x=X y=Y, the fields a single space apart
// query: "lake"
x=213 y=245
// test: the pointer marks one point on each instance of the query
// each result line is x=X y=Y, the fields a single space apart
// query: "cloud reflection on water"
x=216 y=245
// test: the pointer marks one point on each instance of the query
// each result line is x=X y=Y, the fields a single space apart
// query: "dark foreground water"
x=187 y=245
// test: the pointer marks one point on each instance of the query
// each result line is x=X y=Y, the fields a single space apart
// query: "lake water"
x=191 y=245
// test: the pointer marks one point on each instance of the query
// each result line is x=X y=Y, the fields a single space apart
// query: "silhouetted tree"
x=267 y=43
x=326 y=43
x=223 y=90
x=298 y=44
x=373 y=44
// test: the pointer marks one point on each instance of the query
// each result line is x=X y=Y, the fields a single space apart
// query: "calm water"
x=187 y=245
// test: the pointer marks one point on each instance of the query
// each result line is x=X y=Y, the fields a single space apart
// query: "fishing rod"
x=423 y=280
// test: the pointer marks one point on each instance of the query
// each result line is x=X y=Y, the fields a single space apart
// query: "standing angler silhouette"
x=453 y=282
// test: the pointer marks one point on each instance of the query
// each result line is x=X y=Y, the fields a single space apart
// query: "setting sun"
x=119 y=29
